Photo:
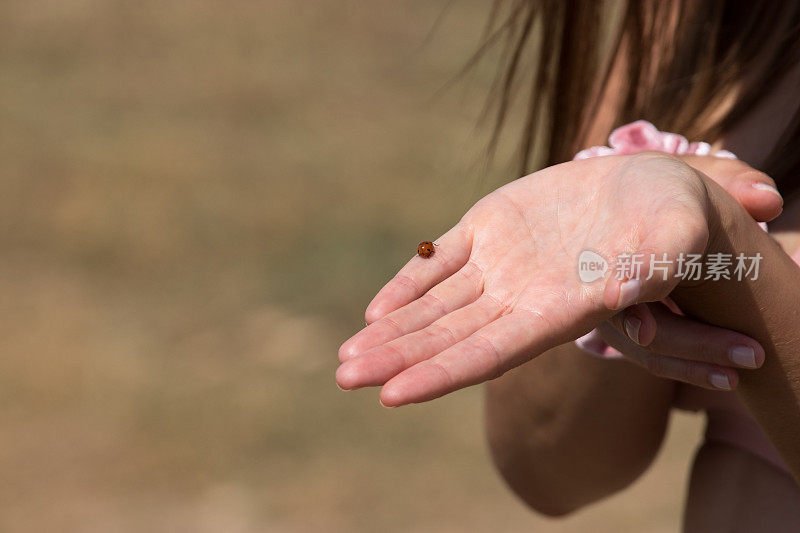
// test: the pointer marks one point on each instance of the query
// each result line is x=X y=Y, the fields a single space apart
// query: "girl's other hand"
x=660 y=339
x=670 y=345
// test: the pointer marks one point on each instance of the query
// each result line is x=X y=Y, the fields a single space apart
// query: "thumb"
x=754 y=190
x=672 y=250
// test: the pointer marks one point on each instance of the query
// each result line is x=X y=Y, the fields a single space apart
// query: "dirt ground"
x=197 y=200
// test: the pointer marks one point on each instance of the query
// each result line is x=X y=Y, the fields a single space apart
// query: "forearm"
x=767 y=309
x=549 y=432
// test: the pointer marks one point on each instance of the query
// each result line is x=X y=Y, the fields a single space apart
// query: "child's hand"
x=503 y=284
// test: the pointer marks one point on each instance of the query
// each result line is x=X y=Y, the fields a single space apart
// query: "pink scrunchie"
x=639 y=136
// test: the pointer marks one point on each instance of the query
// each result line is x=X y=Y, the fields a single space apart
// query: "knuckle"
x=442 y=370
x=490 y=349
x=407 y=281
x=654 y=364
x=432 y=300
x=394 y=325
x=616 y=323
x=687 y=372
x=708 y=352
x=473 y=272
x=442 y=333
x=399 y=356
x=695 y=373
x=500 y=306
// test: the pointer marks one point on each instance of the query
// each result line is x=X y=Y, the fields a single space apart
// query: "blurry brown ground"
x=197 y=200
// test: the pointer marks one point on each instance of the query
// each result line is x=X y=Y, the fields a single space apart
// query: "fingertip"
x=348 y=376
x=723 y=379
x=744 y=355
x=375 y=311
x=384 y=405
x=767 y=187
x=390 y=396
x=733 y=378
x=621 y=293
x=409 y=386
x=397 y=292
x=748 y=354
x=648 y=324
x=632 y=327
x=762 y=200
x=760 y=354
x=347 y=350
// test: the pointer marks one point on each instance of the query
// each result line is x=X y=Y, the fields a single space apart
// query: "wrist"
x=726 y=218
x=731 y=233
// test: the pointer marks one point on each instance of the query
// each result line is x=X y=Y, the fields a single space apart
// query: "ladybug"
x=425 y=249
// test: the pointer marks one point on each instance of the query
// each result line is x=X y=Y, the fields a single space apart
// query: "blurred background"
x=197 y=201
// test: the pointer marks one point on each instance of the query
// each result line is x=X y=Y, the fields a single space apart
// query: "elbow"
x=536 y=487
x=527 y=447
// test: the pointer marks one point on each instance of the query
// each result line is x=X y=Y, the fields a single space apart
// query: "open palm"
x=503 y=284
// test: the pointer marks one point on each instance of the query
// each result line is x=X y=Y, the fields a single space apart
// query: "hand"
x=660 y=339
x=503 y=286
x=670 y=345
x=753 y=189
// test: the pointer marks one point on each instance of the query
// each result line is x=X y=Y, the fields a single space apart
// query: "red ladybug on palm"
x=425 y=249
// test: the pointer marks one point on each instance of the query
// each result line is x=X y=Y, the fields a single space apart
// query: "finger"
x=754 y=190
x=494 y=349
x=636 y=323
x=421 y=273
x=684 y=338
x=705 y=375
x=381 y=363
x=657 y=262
x=458 y=290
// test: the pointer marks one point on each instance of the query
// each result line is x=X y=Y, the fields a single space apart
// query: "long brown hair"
x=682 y=62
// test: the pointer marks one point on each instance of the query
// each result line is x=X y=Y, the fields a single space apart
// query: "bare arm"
x=767 y=309
x=548 y=421
x=564 y=432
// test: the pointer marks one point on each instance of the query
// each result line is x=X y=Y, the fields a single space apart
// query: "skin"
x=731 y=489
x=752 y=140
x=767 y=310
x=723 y=477
x=499 y=297
x=503 y=285
x=671 y=345
x=544 y=420
x=501 y=288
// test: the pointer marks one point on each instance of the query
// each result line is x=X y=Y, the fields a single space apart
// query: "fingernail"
x=628 y=292
x=720 y=381
x=766 y=187
x=386 y=406
x=632 y=325
x=743 y=356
